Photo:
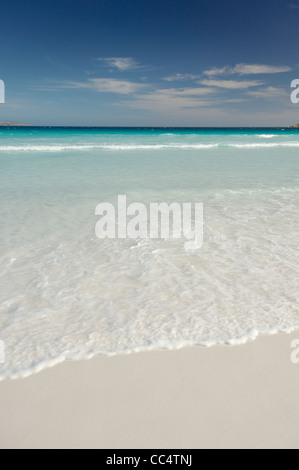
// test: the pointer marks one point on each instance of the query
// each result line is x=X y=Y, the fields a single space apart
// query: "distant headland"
x=12 y=124
x=296 y=126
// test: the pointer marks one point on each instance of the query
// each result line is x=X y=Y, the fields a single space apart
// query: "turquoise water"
x=66 y=294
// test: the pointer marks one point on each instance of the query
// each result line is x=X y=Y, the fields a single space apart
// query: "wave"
x=115 y=147
x=251 y=335
x=59 y=148
x=122 y=297
x=43 y=148
x=265 y=145
x=266 y=136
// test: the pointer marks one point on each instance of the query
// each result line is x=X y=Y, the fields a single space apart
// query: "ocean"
x=66 y=294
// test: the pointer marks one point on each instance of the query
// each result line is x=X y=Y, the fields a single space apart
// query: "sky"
x=149 y=63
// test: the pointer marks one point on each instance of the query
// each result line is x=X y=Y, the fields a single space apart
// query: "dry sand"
x=220 y=397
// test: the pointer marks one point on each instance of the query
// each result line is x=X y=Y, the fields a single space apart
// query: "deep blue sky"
x=158 y=62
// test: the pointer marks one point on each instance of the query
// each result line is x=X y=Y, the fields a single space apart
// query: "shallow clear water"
x=66 y=294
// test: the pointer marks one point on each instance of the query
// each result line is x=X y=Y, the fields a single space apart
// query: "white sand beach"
x=219 y=397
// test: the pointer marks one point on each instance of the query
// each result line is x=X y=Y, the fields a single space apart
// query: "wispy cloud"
x=120 y=63
x=200 y=91
x=247 y=69
x=217 y=71
x=106 y=85
x=166 y=103
x=172 y=100
x=269 y=93
x=231 y=84
x=181 y=76
x=293 y=6
x=235 y=100
x=244 y=69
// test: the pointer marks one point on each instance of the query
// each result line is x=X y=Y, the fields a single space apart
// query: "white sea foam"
x=265 y=145
x=133 y=147
x=266 y=136
x=59 y=148
x=81 y=297
x=45 y=148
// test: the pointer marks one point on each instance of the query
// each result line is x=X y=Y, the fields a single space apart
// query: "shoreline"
x=251 y=336
x=241 y=396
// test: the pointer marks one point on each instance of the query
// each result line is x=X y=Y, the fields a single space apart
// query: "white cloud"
x=166 y=104
x=185 y=91
x=120 y=63
x=123 y=87
x=106 y=85
x=231 y=84
x=269 y=93
x=172 y=100
x=218 y=71
x=234 y=100
x=247 y=69
x=244 y=69
x=181 y=76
